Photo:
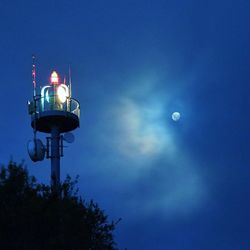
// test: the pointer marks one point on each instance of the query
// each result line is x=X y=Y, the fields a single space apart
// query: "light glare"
x=62 y=93
x=54 y=79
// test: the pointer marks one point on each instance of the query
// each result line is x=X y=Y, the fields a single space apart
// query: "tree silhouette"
x=32 y=217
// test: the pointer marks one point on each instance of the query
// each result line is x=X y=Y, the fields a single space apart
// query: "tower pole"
x=55 y=159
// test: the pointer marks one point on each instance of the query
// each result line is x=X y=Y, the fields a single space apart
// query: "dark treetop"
x=32 y=217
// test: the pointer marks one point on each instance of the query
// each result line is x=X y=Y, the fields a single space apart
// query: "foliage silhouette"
x=32 y=217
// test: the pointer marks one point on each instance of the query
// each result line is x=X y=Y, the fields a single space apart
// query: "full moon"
x=176 y=116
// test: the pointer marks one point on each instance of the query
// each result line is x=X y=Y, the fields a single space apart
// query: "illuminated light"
x=45 y=94
x=62 y=92
x=54 y=78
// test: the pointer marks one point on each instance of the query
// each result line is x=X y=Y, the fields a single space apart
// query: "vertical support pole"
x=55 y=159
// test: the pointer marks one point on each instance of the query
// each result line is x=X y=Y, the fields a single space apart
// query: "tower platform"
x=48 y=115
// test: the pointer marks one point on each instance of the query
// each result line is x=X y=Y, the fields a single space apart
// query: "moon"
x=176 y=116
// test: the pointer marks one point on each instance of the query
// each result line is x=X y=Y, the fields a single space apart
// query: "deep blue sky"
x=177 y=186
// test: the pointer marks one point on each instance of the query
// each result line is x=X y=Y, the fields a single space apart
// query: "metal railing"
x=42 y=104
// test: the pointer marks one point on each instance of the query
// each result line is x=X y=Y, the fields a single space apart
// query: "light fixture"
x=62 y=92
x=54 y=78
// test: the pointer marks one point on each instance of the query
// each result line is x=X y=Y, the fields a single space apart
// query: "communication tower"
x=55 y=112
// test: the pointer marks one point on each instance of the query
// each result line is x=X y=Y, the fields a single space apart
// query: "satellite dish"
x=69 y=137
x=36 y=150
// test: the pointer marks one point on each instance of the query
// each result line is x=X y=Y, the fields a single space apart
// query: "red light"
x=54 y=79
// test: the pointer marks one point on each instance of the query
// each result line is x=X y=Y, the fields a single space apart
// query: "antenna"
x=34 y=74
x=36 y=150
x=70 y=81
x=68 y=137
x=34 y=96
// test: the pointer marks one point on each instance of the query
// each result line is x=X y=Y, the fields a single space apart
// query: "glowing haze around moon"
x=176 y=116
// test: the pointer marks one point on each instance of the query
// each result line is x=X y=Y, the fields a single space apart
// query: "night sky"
x=176 y=185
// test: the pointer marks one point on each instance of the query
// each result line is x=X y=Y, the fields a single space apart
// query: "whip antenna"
x=70 y=81
x=34 y=75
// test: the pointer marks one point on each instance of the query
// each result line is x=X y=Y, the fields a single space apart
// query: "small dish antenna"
x=36 y=150
x=69 y=137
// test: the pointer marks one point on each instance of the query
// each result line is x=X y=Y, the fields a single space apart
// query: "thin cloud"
x=140 y=151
